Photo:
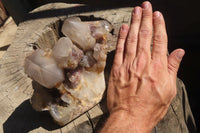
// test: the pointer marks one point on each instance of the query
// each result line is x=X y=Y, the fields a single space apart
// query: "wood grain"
x=41 y=29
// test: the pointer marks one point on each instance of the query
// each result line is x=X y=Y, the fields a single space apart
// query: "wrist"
x=133 y=124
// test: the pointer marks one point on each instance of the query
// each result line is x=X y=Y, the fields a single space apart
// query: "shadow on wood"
x=64 y=11
x=4 y=47
x=25 y=119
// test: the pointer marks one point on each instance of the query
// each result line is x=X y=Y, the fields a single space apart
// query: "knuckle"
x=157 y=65
x=129 y=54
x=135 y=19
x=115 y=71
x=127 y=65
x=143 y=60
x=122 y=35
x=143 y=55
x=147 y=14
x=119 y=49
x=173 y=66
x=145 y=33
x=158 y=51
x=159 y=38
x=115 y=65
x=153 y=79
x=132 y=38
x=140 y=64
x=128 y=68
x=121 y=81
x=121 y=72
x=131 y=71
x=159 y=21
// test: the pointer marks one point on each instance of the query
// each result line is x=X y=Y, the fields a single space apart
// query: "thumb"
x=174 y=60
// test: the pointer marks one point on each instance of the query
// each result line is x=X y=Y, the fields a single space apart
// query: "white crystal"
x=100 y=29
x=74 y=69
x=66 y=53
x=79 y=33
x=88 y=93
x=100 y=52
x=41 y=67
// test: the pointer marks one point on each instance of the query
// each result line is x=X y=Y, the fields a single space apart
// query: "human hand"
x=142 y=83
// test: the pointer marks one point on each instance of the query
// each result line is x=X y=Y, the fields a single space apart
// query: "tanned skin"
x=142 y=83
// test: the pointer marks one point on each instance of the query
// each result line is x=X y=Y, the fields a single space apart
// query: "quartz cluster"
x=71 y=74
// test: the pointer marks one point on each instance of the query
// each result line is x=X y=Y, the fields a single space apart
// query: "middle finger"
x=145 y=33
x=132 y=39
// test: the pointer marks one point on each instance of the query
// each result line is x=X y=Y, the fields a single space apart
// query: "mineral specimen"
x=72 y=73
x=79 y=33
x=100 y=29
x=67 y=54
x=41 y=67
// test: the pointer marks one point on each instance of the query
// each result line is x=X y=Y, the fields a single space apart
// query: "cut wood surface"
x=42 y=29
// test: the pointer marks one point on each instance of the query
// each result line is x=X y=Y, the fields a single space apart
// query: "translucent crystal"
x=74 y=77
x=90 y=88
x=74 y=69
x=67 y=54
x=88 y=60
x=100 y=29
x=88 y=93
x=100 y=52
x=79 y=33
x=41 y=67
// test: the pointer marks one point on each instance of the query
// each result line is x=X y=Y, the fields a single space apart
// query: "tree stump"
x=41 y=30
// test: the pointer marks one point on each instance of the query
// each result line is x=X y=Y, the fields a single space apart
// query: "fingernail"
x=136 y=11
x=156 y=14
x=124 y=27
x=145 y=5
x=180 y=54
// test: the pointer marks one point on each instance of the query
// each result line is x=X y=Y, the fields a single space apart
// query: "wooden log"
x=42 y=29
x=16 y=87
